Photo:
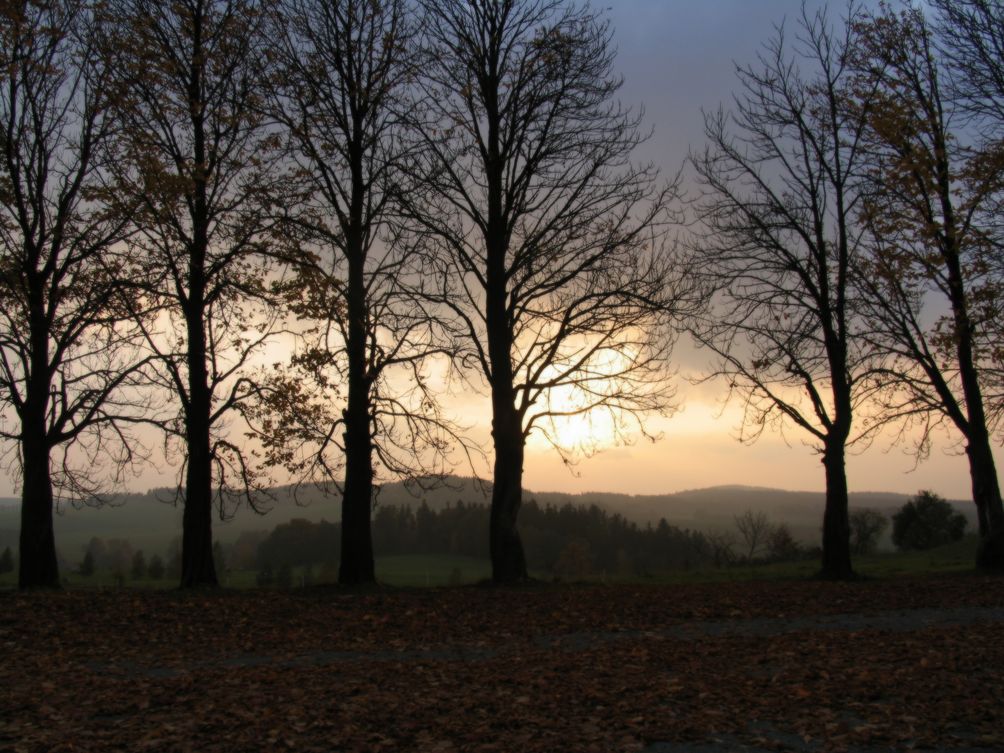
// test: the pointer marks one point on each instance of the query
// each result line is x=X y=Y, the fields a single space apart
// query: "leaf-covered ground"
x=881 y=665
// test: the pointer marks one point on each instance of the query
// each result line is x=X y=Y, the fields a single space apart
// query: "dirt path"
x=901 y=620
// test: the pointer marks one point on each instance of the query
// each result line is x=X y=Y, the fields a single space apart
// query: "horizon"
x=10 y=502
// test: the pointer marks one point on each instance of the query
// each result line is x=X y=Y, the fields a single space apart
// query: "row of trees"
x=401 y=181
x=849 y=236
x=406 y=187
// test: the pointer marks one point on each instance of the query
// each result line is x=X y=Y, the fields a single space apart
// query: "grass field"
x=419 y=571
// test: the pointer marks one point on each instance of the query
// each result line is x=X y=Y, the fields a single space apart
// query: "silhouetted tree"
x=64 y=363
x=931 y=208
x=543 y=240
x=970 y=37
x=343 y=72
x=117 y=555
x=87 y=564
x=299 y=543
x=781 y=545
x=755 y=529
x=925 y=522
x=98 y=550
x=722 y=546
x=776 y=250
x=867 y=526
x=203 y=167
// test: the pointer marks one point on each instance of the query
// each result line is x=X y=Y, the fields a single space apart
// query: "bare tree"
x=775 y=254
x=65 y=364
x=970 y=37
x=867 y=526
x=202 y=167
x=722 y=545
x=543 y=238
x=930 y=198
x=754 y=528
x=342 y=82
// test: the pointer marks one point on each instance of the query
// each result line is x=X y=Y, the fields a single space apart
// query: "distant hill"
x=150 y=522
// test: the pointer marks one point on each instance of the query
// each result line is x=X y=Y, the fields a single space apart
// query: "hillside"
x=150 y=521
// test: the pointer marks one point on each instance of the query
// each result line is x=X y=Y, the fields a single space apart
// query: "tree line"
x=573 y=540
x=417 y=193
x=563 y=541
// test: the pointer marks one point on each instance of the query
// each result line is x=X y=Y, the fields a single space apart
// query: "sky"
x=677 y=57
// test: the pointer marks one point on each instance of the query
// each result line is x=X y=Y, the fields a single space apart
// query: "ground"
x=799 y=665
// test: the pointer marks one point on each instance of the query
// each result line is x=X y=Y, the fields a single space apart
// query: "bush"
x=6 y=561
x=925 y=522
x=781 y=545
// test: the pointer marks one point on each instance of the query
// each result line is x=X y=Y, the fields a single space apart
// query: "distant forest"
x=566 y=541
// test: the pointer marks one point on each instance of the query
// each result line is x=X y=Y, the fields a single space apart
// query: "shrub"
x=781 y=545
x=926 y=521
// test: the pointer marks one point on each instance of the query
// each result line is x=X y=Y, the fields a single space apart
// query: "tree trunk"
x=836 y=521
x=508 y=559
x=983 y=473
x=981 y=484
x=357 y=541
x=987 y=495
x=197 y=565
x=38 y=565
x=982 y=469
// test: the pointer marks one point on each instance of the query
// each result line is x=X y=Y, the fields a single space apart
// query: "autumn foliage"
x=879 y=665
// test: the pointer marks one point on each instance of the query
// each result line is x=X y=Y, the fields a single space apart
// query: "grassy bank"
x=419 y=571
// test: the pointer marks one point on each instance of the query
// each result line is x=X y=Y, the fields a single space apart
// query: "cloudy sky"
x=678 y=56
